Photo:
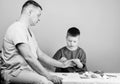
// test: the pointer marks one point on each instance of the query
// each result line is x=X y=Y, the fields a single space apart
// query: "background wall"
x=98 y=20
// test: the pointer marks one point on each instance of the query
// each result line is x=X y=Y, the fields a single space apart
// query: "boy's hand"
x=77 y=62
x=68 y=63
x=63 y=59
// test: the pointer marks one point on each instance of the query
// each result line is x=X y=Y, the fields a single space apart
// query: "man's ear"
x=29 y=12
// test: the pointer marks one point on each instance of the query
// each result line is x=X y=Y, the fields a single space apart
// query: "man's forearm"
x=36 y=66
x=51 y=61
x=25 y=51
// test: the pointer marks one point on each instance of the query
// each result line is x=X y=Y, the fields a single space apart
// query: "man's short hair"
x=73 y=31
x=30 y=2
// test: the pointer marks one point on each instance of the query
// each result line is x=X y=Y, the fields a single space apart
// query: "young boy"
x=72 y=52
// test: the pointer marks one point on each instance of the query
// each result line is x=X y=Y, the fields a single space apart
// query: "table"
x=75 y=78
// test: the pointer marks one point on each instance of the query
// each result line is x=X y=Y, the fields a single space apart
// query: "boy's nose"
x=71 y=44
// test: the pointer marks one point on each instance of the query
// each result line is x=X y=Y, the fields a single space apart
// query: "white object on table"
x=75 y=78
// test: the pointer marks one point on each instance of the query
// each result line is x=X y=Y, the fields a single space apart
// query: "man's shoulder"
x=15 y=26
x=13 y=30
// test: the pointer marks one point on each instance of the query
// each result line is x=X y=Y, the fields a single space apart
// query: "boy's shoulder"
x=81 y=49
x=63 y=48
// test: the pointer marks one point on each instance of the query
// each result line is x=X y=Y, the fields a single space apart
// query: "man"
x=21 y=54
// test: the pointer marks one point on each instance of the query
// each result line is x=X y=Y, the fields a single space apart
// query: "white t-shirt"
x=17 y=33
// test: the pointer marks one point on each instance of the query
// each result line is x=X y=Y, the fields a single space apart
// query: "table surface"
x=89 y=78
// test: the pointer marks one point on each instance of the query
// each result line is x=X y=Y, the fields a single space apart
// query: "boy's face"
x=72 y=42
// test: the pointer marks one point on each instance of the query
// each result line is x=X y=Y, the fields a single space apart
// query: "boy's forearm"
x=79 y=65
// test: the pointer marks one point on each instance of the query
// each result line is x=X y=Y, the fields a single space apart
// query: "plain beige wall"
x=98 y=20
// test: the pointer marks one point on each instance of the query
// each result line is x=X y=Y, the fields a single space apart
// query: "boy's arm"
x=81 y=60
x=77 y=62
x=58 y=55
x=63 y=59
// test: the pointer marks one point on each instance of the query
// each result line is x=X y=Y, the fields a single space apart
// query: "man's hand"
x=55 y=79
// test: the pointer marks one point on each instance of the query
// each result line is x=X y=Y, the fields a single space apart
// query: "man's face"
x=35 y=16
x=72 y=42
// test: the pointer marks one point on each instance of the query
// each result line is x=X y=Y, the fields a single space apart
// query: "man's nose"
x=38 y=19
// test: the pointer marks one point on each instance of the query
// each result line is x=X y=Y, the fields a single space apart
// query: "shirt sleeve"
x=82 y=58
x=19 y=36
x=58 y=55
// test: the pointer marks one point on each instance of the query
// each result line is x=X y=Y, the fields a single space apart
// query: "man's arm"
x=42 y=56
x=25 y=51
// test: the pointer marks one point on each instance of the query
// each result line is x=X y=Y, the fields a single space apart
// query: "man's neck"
x=24 y=20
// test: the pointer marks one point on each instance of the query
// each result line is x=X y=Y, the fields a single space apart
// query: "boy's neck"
x=72 y=49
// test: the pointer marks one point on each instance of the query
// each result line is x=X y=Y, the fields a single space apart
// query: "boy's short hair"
x=30 y=2
x=73 y=31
